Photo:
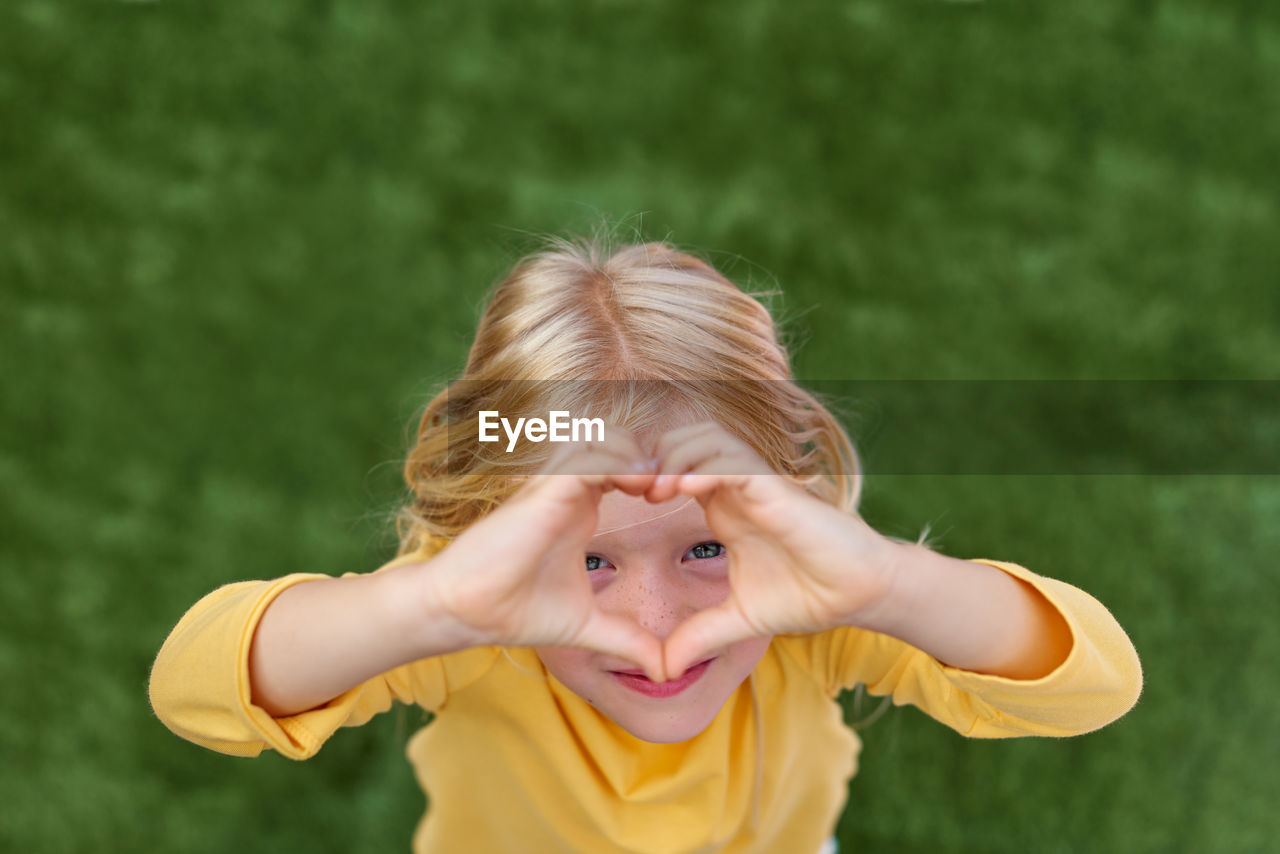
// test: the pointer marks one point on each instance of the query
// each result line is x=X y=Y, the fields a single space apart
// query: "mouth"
x=641 y=684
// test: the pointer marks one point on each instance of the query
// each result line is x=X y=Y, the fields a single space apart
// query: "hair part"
x=632 y=333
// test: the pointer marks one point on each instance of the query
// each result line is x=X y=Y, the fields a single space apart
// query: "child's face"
x=657 y=573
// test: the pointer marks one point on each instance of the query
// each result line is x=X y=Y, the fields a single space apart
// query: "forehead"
x=632 y=519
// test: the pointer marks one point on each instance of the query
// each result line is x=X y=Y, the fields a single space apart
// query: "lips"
x=641 y=684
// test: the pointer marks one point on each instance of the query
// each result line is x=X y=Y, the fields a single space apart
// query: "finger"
x=680 y=436
x=603 y=467
x=719 y=472
x=622 y=441
x=712 y=445
x=695 y=452
x=561 y=454
x=702 y=634
x=614 y=439
x=623 y=638
x=723 y=473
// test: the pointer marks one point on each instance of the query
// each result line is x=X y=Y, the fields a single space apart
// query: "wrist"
x=415 y=609
x=891 y=563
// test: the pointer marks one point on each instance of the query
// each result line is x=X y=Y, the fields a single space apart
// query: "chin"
x=672 y=720
x=657 y=731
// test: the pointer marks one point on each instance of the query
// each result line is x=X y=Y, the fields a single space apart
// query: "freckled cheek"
x=710 y=591
x=674 y=599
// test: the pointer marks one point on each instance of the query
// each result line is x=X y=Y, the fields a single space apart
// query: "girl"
x=633 y=642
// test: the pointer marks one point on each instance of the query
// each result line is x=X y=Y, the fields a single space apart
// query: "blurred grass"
x=239 y=245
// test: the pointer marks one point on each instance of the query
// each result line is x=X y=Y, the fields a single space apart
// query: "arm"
x=514 y=578
x=284 y=663
x=1098 y=682
x=967 y=615
x=1027 y=652
x=319 y=639
x=200 y=685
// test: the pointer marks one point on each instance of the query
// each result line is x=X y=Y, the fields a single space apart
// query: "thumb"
x=704 y=632
x=623 y=638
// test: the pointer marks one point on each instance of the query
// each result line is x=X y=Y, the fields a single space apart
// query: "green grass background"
x=240 y=243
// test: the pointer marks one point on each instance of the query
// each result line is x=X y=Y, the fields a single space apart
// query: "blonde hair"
x=632 y=334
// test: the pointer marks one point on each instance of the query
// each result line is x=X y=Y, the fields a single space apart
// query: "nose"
x=655 y=597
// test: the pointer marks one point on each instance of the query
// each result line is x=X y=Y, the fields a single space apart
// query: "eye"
x=596 y=562
x=705 y=551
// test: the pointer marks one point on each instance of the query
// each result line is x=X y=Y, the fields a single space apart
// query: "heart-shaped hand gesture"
x=796 y=563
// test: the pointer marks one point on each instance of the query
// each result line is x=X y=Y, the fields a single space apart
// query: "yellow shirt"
x=514 y=761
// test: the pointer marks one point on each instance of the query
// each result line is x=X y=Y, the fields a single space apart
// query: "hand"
x=517 y=577
x=796 y=564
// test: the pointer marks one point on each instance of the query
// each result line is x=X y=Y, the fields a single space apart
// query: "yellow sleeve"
x=200 y=681
x=1098 y=682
